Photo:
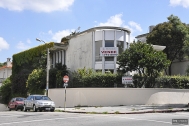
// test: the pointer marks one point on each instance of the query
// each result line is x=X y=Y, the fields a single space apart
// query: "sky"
x=22 y=21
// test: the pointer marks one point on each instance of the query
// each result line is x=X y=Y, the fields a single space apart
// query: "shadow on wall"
x=179 y=99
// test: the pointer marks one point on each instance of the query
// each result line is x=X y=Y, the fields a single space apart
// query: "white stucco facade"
x=85 y=49
x=80 y=52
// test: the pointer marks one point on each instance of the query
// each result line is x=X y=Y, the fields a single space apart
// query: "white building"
x=5 y=71
x=95 y=48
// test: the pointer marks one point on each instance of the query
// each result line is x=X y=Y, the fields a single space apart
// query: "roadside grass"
x=117 y=112
x=91 y=113
x=104 y=112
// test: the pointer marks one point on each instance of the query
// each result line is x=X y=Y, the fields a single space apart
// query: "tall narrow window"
x=120 y=45
x=98 y=44
x=109 y=43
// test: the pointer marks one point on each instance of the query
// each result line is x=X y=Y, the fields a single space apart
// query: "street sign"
x=65 y=84
x=127 y=80
x=65 y=79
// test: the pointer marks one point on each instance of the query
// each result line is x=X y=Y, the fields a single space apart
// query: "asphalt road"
x=19 y=118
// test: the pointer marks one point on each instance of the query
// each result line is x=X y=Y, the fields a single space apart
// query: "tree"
x=3 y=64
x=142 y=58
x=5 y=91
x=171 y=34
x=36 y=82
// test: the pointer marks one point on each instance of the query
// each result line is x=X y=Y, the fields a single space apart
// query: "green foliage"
x=5 y=91
x=88 y=78
x=36 y=82
x=145 y=60
x=28 y=55
x=172 y=34
x=3 y=64
x=19 y=83
x=24 y=63
x=59 y=81
x=52 y=78
x=179 y=82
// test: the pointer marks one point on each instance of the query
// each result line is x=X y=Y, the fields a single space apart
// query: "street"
x=19 y=118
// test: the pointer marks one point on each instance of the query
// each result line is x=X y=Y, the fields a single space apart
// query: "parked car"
x=16 y=103
x=38 y=102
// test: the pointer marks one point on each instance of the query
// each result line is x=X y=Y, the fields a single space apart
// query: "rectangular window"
x=109 y=43
x=109 y=58
x=120 y=45
x=98 y=44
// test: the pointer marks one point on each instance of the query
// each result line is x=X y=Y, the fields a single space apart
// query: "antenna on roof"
x=77 y=30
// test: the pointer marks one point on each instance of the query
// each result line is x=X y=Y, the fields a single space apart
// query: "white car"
x=38 y=102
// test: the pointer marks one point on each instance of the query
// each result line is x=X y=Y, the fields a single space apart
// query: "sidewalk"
x=133 y=109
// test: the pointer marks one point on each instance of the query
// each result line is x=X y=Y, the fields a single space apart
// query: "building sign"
x=127 y=80
x=108 y=51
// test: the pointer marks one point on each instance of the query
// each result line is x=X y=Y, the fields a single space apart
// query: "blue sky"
x=22 y=21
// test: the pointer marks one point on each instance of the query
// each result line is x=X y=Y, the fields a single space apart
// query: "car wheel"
x=24 y=109
x=40 y=110
x=52 y=110
x=9 y=108
x=34 y=108
x=16 y=108
x=21 y=109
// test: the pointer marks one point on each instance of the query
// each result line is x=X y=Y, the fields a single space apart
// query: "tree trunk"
x=169 y=69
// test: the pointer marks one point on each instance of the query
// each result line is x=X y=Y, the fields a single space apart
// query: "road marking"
x=43 y=120
x=149 y=120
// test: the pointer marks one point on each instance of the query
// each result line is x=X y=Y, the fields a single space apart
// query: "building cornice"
x=99 y=28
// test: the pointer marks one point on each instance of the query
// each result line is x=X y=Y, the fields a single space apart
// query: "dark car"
x=16 y=103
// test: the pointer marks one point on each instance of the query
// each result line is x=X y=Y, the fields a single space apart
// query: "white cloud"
x=22 y=46
x=113 y=21
x=60 y=34
x=135 y=25
x=117 y=21
x=28 y=41
x=4 y=44
x=36 y=5
x=184 y=3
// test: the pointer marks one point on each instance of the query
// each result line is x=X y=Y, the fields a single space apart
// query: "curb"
x=143 y=112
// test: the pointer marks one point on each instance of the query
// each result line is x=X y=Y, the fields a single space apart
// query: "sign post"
x=65 y=79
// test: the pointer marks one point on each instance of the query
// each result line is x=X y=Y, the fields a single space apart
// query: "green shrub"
x=89 y=78
x=179 y=82
x=36 y=82
x=5 y=91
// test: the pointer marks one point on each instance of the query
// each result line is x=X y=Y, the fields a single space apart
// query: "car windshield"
x=42 y=98
x=19 y=99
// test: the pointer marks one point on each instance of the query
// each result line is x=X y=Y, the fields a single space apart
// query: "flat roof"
x=100 y=28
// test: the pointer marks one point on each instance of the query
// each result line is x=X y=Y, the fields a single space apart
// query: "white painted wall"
x=5 y=73
x=179 y=68
x=79 y=52
x=115 y=96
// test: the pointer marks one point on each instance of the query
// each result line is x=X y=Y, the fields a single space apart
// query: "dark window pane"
x=120 y=45
x=109 y=58
x=98 y=44
x=109 y=43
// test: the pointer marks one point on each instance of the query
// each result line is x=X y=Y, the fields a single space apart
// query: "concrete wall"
x=179 y=68
x=114 y=96
x=79 y=52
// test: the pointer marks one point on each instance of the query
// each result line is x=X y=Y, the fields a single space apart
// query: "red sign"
x=65 y=78
x=108 y=51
